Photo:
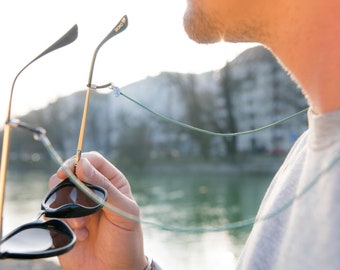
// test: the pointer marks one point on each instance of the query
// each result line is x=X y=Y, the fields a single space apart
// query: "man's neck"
x=308 y=46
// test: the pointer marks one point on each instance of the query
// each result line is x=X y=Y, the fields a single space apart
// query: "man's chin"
x=199 y=32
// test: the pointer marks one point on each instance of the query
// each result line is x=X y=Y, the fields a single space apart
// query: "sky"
x=154 y=42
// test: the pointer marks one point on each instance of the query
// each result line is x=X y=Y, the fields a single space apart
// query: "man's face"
x=209 y=21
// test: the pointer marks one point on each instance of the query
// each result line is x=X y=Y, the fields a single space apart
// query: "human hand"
x=105 y=240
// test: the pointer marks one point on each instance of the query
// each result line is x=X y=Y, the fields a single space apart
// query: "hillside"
x=249 y=92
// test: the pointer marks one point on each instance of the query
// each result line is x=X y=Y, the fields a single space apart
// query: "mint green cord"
x=226 y=227
x=172 y=121
x=168 y=227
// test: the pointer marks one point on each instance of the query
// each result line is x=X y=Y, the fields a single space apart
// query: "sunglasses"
x=41 y=239
x=53 y=237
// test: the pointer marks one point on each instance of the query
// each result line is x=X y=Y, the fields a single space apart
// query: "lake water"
x=185 y=198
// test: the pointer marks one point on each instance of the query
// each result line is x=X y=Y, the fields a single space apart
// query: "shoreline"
x=252 y=164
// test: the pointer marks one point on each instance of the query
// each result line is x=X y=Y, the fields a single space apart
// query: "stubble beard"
x=199 y=27
x=203 y=28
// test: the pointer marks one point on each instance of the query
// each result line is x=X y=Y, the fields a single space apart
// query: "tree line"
x=222 y=101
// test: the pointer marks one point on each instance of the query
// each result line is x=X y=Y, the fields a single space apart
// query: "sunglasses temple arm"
x=120 y=27
x=86 y=105
x=70 y=36
x=66 y=39
x=83 y=121
x=3 y=169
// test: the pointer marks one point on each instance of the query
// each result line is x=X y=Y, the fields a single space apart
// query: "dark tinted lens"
x=38 y=240
x=71 y=195
x=28 y=241
x=68 y=201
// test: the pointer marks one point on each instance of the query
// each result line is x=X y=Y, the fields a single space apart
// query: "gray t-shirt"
x=299 y=218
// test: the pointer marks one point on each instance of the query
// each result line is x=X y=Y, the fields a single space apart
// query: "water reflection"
x=23 y=195
x=198 y=199
x=185 y=199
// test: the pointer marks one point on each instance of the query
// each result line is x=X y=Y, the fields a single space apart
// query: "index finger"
x=101 y=164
